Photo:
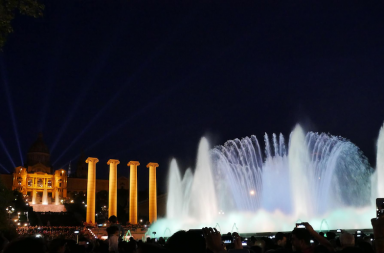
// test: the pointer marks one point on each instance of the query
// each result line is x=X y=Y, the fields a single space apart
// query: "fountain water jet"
x=319 y=176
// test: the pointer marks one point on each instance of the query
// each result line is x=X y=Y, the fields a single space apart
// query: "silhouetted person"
x=113 y=221
x=301 y=240
x=26 y=245
x=280 y=240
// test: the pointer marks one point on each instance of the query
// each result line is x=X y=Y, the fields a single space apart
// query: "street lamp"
x=10 y=210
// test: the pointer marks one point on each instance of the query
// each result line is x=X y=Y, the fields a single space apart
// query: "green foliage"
x=8 y=11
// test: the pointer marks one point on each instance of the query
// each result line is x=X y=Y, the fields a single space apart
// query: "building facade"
x=36 y=178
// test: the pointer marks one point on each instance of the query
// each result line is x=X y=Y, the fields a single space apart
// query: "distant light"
x=15 y=220
x=71 y=200
x=105 y=224
x=85 y=205
x=141 y=220
x=252 y=192
x=18 y=223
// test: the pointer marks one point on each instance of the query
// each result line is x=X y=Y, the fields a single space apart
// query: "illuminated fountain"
x=314 y=177
x=45 y=197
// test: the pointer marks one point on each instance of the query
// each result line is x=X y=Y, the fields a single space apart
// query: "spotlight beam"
x=9 y=100
x=108 y=104
x=80 y=98
x=53 y=65
x=2 y=166
x=143 y=66
x=6 y=151
x=136 y=114
x=91 y=79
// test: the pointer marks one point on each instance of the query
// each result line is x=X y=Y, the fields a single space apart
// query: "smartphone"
x=379 y=207
x=300 y=225
x=197 y=231
x=227 y=239
x=338 y=231
x=244 y=243
x=358 y=232
x=312 y=241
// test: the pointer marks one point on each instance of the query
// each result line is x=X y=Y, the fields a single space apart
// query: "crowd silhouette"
x=305 y=239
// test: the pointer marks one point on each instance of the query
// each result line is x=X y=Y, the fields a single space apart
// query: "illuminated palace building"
x=47 y=188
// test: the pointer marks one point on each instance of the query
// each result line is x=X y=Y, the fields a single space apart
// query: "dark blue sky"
x=145 y=80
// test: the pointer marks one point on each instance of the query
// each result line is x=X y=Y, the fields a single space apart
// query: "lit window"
x=49 y=183
x=40 y=183
x=30 y=182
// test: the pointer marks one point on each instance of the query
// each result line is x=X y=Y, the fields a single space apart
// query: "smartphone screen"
x=379 y=207
x=299 y=225
x=244 y=243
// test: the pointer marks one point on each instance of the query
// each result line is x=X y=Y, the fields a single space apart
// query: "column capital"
x=152 y=165
x=133 y=163
x=113 y=161
x=92 y=159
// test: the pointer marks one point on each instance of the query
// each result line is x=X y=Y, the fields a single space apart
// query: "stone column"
x=91 y=189
x=34 y=196
x=112 y=201
x=152 y=192
x=133 y=191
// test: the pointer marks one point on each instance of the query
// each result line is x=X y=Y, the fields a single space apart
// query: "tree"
x=6 y=199
x=10 y=8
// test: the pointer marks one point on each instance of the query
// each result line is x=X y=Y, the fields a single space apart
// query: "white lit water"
x=240 y=186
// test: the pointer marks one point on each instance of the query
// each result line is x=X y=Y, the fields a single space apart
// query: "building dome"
x=39 y=146
x=38 y=153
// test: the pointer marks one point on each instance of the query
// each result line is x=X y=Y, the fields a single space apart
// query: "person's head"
x=347 y=240
x=27 y=244
x=112 y=230
x=113 y=219
x=300 y=239
x=57 y=246
x=280 y=239
x=183 y=241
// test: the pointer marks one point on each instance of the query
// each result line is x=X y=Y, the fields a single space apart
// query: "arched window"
x=30 y=182
x=49 y=183
x=40 y=182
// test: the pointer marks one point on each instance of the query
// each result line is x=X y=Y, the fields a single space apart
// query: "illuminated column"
x=112 y=207
x=133 y=191
x=34 y=196
x=91 y=189
x=152 y=192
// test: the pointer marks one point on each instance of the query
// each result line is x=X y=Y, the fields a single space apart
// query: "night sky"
x=145 y=80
